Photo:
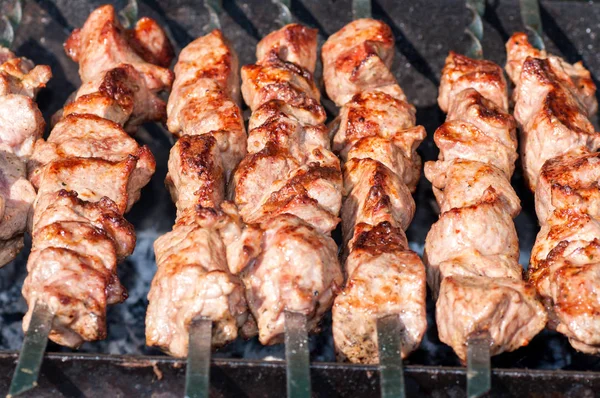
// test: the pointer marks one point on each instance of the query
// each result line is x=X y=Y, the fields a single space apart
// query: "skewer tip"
x=389 y=342
x=478 y=365
x=297 y=356
x=197 y=374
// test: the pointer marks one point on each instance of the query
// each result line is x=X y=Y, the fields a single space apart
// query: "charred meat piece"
x=376 y=138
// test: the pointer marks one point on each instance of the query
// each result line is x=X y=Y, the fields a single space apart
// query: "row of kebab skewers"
x=255 y=211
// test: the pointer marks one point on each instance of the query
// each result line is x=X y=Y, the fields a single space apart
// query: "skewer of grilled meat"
x=376 y=138
x=21 y=124
x=554 y=101
x=89 y=172
x=208 y=238
x=472 y=251
x=289 y=185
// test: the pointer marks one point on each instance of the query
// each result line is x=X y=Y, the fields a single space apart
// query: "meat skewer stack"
x=89 y=173
x=289 y=184
x=195 y=258
x=472 y=252
x=21 y=124
x=376 y=138
x=554 y=101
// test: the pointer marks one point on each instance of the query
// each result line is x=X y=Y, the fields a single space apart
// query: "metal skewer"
x=475 y=28
x=530 y=15
x=32 y=352
x=11 y=20
x=479 y=380
x=297 y=356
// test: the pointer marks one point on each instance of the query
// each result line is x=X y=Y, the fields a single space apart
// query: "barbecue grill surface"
x=425 y=31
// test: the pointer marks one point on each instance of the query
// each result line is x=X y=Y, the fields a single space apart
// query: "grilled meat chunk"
x=472 y=251
x=21 y=124
x=376 y=138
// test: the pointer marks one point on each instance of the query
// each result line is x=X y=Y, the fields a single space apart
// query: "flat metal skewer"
x=34 y=345
x=479 y=380
x=297 y=356
x=285 y=14
x=197 y=373
x=530 y=15
x=389 y=342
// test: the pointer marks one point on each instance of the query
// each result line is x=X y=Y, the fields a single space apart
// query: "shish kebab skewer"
x=21 y=124
x=472 y=252
x=290 y=185
x=88 y=174
x=376 y=137
x=194 y=289
x=554 y=102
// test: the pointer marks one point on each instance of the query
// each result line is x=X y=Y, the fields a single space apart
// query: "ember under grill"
x=122 y=364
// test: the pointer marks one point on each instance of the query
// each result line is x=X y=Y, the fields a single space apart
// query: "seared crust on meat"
x=376 y=138
x=472 y=251
x=553 y=103
x=89 y=172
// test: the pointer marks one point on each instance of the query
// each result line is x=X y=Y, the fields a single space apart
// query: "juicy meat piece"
x=518 y=49
x=16 y=197
x=149 y=40
x=297 y=270
x=21 y=124
x=119 y=95
x=287 y=171
x=506 y=308
x=459 y=140
x=101 y=44
x=461 y=72
x=84 y=136
x=193 y=279
x=357 y=58
x=20 y=76
x=472 y=251
x=374 y=194
x=378 y=126
x=463 y=183
x=211 y=58
x=569 y=181
x=293 y=43
x=196 y=176
x=546 y=100
x=568 y=282
x=384 y=278
x=72 y=265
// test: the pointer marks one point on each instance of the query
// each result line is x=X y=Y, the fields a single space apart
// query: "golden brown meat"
x=376 y=138
x=209 y=242
x=472 y=251
x=290 y=184
x=88 y=173
x=21 y=124
x=553 y=103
